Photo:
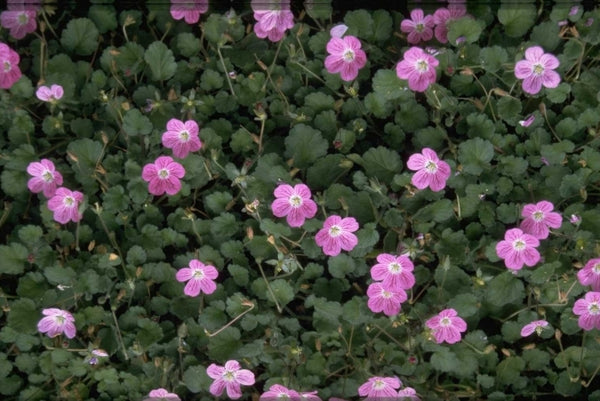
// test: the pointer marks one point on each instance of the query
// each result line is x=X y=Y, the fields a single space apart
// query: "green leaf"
x=104 y=17
x=341 y=265
x=387 y=85
x=80 y=36
x=475 y=155
x=87 y=154
x=305 y=145
x=559 y=94
x=239 y=274
x=161 y=61
x=23 y=316
x=13 y=257
x=493 y=57
x=224 y=345
x=188 y=44
x=546 y=35
x=466 y=27
x=359 y=23
x=283 y=291
x=211 y=80
x=196 y=379
x=381 y=163
x=130 y=58
x=517 y=20
x=504 y=289
x=319 y=101
x=135 y=123
x=466 y=305
x=382 y=25
x=326 y=170
x=509 y=370
x=461 y=364
x=565 y=386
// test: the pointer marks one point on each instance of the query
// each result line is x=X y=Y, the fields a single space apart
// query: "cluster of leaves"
x=270 y=112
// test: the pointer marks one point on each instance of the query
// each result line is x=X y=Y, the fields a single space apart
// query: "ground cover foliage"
x=270 y=113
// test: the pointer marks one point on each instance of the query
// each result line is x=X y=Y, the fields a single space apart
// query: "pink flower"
x=345 y=56
x=19 y=22
x=447 y=326
x=189 y=10
x=536 y=325
x=163 y=176
x=279 y=392
x=9 y=66
x=430 y=170
x=200 y=278
x=160 y=394
x=65 y=205
x=336 y=235
x=45 y=178
x=295 y=203
x=56 y=322
x=588 y=310
x=528 y=121
x=49 y=94
x=538 y=217
x=181 y=137
x=590 y=274
x=575 y=219
x=537 y=69
x=229 y=377
x=385 y=299
x=310 y=396
x=419 y=27
x=395 y=271
x=377 y=388
x=518 y=249
x=441 y=18
x=418 y=67
x=272 y=18
x=408 y=394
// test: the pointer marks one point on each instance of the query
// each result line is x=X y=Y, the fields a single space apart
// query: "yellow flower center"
x=419 y=27
x=431 y=166
x=596 y=268
x=379 y=384
x=68 y=201
x=334 y=231
x=445 y=322
x=518 y=245
x=163 y=173
x=22 y=18
x=395 y=267
x=348 y=55
x=184 y=136
x=47 y=176
x=228 y=376
x=594 y=308
x=538 y=216
x=295 y=201
x=538 y=69
x=7 y=66
x=198 y=274
x=422 y=66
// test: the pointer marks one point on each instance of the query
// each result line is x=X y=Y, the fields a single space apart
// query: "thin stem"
x=225 y=72
x=246 y=303
x=279 y=309
x=119 y=337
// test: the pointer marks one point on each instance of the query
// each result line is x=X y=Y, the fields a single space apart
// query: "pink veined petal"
x=233 y=390
x=217 y=387
x=309 y=208
x=413 y=54
x=528 y=330
x=184 y=274
x=177 y=170
x=283 y=191
x=444 y=170
x=530 y=240
x=349 y=71
x=332 y=221
x=191 y=127
x=421 y=179
x=172 y=185
x=416 y=162
x=281 y=207
x=513 y=234
x=295 y=217
x=149 y=172
x=70 y=330
x=523 y=69
x=532 y=84
x=379 y=271
x=386 y=258
x=303 y=190
x=170 y=139
x=437 y=183
x=207 y=286
x=550 y=79
x=215 y=371
x=391 y=308
x=334 y=64
x=245 y=377
x=404 y=69
x=212 y=273
x=530 y=226
x=430 y=154
x=549 y=61
x=417 y=15
x=545 y=206
x=352 y=42
x=348 y=241
x=528 y=210
x=586 y=322
x=534 y=53
x=349 y=224
x=407 y=25
x=514 y=261
x=192 y=288
x=420 y=82
x=336 y=46
x=57 y=91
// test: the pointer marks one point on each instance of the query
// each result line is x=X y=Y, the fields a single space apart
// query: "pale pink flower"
x=345 y=56
x=537 y=70
x=160 y=394
x=418 y=68
x=19 y=22
x=408 y=394
x=378 y=388
x=336 y=235
x=56 y=322
x=395 y=272
x=447 y=326
x=590 y=274
x=338 y=31
x=310 y=396
x=385 y=299
x=575 y=219
x=188 y=10
x=419 y=27
x=182 y=137
x=293 y=202
x=528 y=121
x=200 y=278
x=230 y=378
x=273 y=18
x=9 y=66
x=430 y=170
x=279 y=393
x=49 y=94
x=518 y=249
x=535 y=326
x=44 y=179
x=163 y=176
x=442 y=16
x=538 y=218
x=65 y=205
x=588 y=310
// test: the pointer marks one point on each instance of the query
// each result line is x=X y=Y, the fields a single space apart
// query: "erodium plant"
x=292 y=200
